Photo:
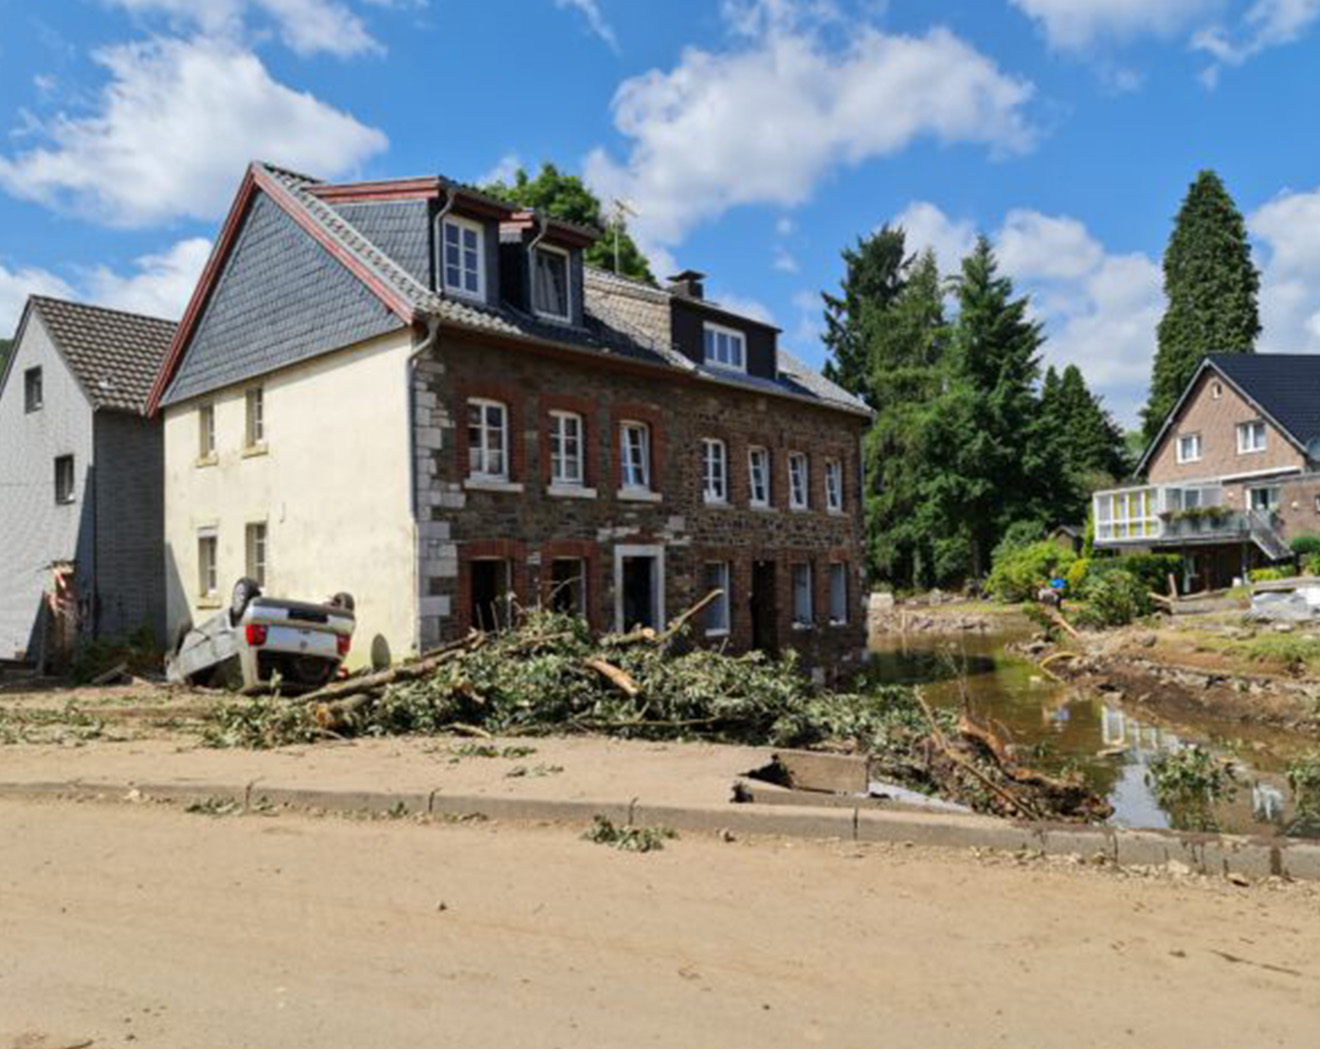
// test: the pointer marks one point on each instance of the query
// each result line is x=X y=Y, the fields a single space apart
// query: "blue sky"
x=756 y=138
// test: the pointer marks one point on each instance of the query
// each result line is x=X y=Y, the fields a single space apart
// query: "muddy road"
x=150 y=927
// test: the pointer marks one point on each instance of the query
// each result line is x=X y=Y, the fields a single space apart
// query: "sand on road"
x=146 y=926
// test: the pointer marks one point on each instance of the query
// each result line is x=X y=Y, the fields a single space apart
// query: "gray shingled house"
x=80 y=479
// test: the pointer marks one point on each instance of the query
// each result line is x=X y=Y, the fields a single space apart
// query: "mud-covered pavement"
x=151 y=927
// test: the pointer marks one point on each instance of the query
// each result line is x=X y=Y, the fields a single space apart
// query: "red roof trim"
x=398 y=189
x=254 y=179
x=203 y=290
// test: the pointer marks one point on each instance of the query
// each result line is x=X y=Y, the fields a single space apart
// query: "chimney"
x=688 y=284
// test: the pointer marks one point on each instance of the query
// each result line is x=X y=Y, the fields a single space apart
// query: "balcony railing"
x=1158 y=515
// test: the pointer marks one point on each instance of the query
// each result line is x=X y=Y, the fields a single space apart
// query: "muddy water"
x=1057 y=727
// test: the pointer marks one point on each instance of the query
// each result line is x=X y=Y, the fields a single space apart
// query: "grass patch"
x=628 y=838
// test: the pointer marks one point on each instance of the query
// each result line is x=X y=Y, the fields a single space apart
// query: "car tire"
x=344 y=601
x=245 y=592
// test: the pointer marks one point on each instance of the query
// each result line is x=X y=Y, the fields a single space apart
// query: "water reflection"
x=1056 y=728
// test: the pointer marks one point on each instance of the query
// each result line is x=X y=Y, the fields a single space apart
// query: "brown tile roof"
x=114 y=355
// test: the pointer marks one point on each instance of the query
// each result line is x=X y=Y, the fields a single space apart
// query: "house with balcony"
x=1232 y=476
x=421 y=395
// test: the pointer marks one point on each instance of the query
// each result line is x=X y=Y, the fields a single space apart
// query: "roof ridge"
x=55 y=300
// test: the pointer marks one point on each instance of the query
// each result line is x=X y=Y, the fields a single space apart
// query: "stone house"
x=81 y=478
x=1233 y=474
x=421 y=395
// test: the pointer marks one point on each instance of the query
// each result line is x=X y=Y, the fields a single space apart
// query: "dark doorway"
x=639 y=592
x=568 y=586
x=490 y=594
x=764 y=607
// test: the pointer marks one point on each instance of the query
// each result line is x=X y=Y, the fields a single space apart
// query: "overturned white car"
x=259 y=639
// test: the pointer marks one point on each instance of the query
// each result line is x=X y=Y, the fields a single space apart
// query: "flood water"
x=1056 y=727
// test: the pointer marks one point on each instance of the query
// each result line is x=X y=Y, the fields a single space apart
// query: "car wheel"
x=344 y=601
x=245 y=592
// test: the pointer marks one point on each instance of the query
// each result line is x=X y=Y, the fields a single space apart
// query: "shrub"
x=1113 y=599
x=1264 y=575
x=1189 y=783
x=1077 y=574
x=1018 y=535
x=1018 y=572
x=1304 y=779
x=1311 y=565
x=1305 y=545
x=1152 y=570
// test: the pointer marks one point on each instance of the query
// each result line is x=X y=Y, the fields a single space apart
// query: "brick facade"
x=526 y=525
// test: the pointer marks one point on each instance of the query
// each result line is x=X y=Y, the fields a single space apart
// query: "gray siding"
x=400 y=228
x=282 y=298
x=34 y=530
x=130 y=525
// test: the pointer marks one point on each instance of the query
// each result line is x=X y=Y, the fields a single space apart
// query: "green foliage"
x=1305 y=545
x=1189 y=783
x=1088 y=443
x=1112 y=599
x=1211 y=286
x=1019 y=571
x=5 y=345
x=1151 y=570
x=1311 y=566
x=1304 y=779
x=139 y=652
x=1294 y=652
x=566 y=197
x=628 y=838
x=1265 y=575
x=874 y=278
x=1018 y=535
x=1076 y=574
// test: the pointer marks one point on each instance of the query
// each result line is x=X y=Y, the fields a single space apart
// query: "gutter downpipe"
x=531 y=263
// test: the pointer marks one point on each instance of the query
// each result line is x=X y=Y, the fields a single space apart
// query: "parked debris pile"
x=548 y=675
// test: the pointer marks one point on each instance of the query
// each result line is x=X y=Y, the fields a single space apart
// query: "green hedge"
x=1018 y=572
x=1150 y=570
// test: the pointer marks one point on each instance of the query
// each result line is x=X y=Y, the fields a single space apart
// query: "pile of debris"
x=548 y=675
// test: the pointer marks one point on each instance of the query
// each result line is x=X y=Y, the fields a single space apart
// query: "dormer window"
x=725 y=347
x=462 y=263
x=550 y=294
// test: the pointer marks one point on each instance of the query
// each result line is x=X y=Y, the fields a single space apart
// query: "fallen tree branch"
x=403 y=672
x=617 y=677
x=679 y=622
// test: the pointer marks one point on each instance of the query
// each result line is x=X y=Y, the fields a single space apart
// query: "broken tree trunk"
x=403 y=672
x=617 y=677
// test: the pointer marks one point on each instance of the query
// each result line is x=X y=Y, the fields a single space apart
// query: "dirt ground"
x=150 y=927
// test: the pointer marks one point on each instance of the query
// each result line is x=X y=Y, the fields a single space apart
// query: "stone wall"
x=527 y=526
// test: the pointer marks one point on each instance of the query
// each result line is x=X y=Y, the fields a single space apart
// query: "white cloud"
x=504 y=170
x=1077 y=24
x=17 y=284
x=784 y=261
x=307 y=27
x=1286 y=229
x=1100 y=310
x=174 y=128
x=785 y=226
x=764 y=120
x=160 y=285
x=1268 y=23
x=741 y=304
x=590 y=10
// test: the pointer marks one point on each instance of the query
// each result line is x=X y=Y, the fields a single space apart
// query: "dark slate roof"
x=114 y=355
x=384 y=244
x=1286 y=386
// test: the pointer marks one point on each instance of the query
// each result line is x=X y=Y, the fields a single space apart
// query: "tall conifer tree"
x=872 y=280
x=1211 y=286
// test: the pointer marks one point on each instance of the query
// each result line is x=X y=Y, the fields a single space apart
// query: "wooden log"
x=1057 y=619
x=616 y=676
x=115 y=673
x=403 y=672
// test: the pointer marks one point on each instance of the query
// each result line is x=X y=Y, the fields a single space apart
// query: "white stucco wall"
x=332 y=488
x=34 y=530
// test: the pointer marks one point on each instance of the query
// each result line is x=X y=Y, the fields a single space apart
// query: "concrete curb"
x=1202 y=853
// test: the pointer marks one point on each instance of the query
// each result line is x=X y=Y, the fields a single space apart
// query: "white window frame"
x=256 y=542
x=254 y=420
x=554 y=249
x=482 y=472
x=628 y=482
x=65 y=498
x=463 y=224
x=714 y=471
x=1216 y=390
x=1278 y=498
x=764 y=470
x=800 y=623
x=721 y=609
x=838 y=597
x=206 y=434
x=1195 y=438
x=710 y=334
x=208 y=576
x=1246 y=432
x=559 y=458
x=657 y=583
x=799 y=495
x=834 y=486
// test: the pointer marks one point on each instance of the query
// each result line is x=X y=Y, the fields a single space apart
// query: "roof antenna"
x=621 y=209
